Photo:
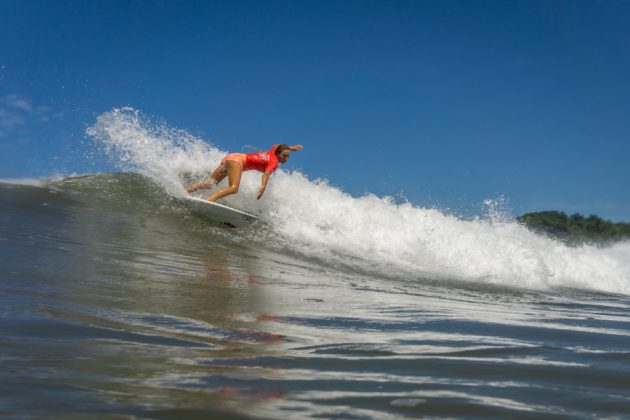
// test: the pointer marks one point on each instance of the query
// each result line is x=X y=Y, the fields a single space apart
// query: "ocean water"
x=117 y=300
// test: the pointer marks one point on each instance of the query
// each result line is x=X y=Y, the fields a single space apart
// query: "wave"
x=371 y=234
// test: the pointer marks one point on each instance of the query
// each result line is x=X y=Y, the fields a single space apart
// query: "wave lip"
x=32 y=182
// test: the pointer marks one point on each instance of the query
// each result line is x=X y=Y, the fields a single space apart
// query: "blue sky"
x=446 y=103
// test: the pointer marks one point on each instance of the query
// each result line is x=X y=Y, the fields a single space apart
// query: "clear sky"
x=445 y=103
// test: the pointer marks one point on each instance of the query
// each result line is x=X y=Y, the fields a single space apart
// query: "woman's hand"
x=296 y=147
x=261 y=191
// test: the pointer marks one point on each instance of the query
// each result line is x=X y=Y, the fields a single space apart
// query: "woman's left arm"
x=265 y=179
x=296 y=147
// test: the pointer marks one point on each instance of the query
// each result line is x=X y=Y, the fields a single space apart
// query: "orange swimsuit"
x=261 y=161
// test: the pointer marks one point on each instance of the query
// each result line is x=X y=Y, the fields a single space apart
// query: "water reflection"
x=142 y=305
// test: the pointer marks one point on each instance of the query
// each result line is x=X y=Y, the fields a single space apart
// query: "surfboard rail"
x=220 y=213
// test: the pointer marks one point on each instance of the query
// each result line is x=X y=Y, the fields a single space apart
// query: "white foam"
x=403 y=240
x=371 y=233
x=135 y=143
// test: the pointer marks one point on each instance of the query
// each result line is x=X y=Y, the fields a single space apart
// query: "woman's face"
x=284 y=156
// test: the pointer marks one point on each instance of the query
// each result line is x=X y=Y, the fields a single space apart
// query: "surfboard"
x=219 y=213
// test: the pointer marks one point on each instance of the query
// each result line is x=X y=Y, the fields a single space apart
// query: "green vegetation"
x=576 y=229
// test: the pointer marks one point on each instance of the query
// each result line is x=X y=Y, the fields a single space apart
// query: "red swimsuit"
x=260 y=161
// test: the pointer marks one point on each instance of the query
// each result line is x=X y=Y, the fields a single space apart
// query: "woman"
x=234 y=164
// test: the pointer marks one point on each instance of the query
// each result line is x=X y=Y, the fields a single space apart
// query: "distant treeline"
x=576 y=229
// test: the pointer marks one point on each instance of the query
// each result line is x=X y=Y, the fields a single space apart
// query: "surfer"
x=234 y=164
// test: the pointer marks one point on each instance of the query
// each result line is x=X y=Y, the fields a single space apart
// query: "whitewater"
x=117 y=300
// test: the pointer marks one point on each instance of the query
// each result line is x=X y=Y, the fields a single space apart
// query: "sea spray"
x=372 y=234
x=133 y=142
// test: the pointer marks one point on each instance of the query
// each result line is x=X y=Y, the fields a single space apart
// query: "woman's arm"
x=265 y=179
x=292 y=148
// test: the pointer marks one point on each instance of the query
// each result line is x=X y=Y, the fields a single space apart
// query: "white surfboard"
x=219 y=213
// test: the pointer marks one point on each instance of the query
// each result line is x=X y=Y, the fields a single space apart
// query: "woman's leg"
x=234 y=171
x=217 y=176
